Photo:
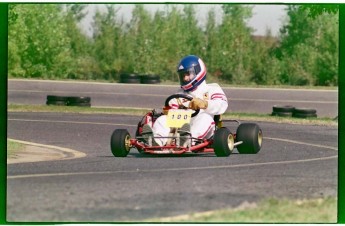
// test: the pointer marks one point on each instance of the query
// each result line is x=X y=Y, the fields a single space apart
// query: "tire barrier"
x=68 y=101
x=79 y=101
x=304 y=113
x=290 y=111
x=143 y=79
x=283 y=111
x=56 y=100
x=150 y=79
x=129 y=78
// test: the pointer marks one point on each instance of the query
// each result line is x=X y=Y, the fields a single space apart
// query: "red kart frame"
x=247 y=139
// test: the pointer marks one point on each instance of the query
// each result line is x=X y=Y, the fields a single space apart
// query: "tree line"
x=45 y=41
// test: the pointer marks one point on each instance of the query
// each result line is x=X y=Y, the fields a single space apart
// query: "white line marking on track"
x=173 y=86
x=70 y=122
x=179 y=169
x=284 y=101
x=302 y=143
x=173 y=169
x=130 y=125
x=195 y=168
x=84 y=92
x=159 y=95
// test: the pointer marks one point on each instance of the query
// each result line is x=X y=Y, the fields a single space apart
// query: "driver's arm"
x=217 y=103
x=217 y=106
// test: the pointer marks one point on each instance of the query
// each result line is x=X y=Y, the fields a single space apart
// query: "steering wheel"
x=181 y=106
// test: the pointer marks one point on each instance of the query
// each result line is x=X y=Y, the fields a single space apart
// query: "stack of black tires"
x=68 y=101
x=143 y=79
x=56 y=100
x=291 y=111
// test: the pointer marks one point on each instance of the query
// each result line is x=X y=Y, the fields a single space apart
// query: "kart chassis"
x=174 y=147
x=247 y=139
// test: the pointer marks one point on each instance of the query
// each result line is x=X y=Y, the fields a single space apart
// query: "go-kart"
x=247 y=139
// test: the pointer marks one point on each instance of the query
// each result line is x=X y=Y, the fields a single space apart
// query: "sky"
x=264 y=16
x=268 y=16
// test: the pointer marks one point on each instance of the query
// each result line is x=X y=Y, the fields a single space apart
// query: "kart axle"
x=238 y=143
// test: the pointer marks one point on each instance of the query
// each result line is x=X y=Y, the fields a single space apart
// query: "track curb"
x=35 y=152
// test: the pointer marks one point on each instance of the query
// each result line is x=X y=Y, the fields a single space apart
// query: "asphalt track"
x=248 y=100
x=296 y=161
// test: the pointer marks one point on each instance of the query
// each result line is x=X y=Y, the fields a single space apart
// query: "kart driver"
x=209 y=98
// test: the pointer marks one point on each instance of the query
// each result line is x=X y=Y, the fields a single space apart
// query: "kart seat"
x=218 y=120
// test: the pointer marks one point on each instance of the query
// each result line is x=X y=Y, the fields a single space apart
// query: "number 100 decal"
x=176 y=118
x=179 y=116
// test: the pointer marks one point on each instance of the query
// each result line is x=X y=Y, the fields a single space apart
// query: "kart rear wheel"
x=251 y=136
x=120 y=143
x=223 y=142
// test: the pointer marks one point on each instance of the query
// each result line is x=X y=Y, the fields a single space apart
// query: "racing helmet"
x=191 y=72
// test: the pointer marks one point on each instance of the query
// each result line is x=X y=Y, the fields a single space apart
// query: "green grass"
x=142 y=111
x=278 y=119
x=74 y=109
x=268 y=211
x=13 y=147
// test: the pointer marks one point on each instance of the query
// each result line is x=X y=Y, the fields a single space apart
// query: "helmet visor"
x=186 y=76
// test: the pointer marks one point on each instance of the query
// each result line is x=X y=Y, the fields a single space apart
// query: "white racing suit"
x=202 y=125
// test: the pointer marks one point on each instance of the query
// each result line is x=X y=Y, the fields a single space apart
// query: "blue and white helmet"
x=191 y=72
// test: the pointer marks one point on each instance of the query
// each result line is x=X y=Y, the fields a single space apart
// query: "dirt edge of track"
x=33 y=152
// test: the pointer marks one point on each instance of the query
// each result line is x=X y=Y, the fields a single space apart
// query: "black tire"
x=51 y=98
x=131 y=81
x=306 y=115
x=282 y=114
x=57 y=103
x=119 y=143
x=129 y=78
x=304 y=111
x=286 y=108
x=150 y=79
x=223 y=142
x=251 y=136
x=79 y=99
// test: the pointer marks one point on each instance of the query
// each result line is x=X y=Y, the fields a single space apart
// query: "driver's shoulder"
x=214 y=87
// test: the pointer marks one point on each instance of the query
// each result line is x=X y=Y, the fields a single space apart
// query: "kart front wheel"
x=120 y=143
x=251 y=137
x=223 y=142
